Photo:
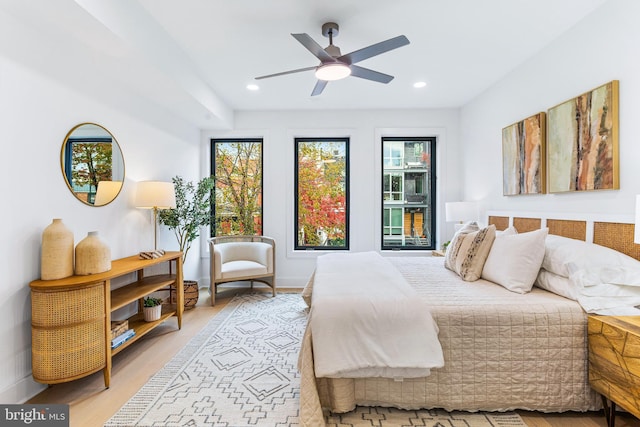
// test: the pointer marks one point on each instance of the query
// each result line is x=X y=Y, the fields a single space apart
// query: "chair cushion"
x=233 y=269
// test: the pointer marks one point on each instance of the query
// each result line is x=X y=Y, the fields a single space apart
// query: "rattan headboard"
x=616 y=234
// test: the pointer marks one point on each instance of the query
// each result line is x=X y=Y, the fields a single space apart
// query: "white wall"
x=36 y=112
x=365 y=128
x=600 y=48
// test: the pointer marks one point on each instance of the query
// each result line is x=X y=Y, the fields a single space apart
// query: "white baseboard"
x=21 y=391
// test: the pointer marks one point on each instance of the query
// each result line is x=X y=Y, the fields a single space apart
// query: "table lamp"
x=155 y=195
x=460 y=212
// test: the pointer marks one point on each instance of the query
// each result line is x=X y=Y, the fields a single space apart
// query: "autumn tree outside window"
x=322 y=193
x=91 y=158
x=236 y=165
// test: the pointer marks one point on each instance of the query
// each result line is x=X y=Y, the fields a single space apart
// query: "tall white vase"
x=92 y=255
x=56 y=260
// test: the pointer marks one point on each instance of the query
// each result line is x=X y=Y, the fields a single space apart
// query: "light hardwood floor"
x=92 y=405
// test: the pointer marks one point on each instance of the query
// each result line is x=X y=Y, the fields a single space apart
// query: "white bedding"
x=502 y=351
x=367 y=321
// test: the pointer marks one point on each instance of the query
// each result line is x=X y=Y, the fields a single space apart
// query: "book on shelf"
x=122 y=338
x=119 y=327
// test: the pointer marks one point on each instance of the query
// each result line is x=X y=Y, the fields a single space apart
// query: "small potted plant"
x=152 y=308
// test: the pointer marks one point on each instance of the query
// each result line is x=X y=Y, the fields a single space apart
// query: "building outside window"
x=236 y=165
x=322 y=193
x=408 y=193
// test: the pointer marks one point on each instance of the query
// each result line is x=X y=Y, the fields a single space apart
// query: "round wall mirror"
x=92 y=164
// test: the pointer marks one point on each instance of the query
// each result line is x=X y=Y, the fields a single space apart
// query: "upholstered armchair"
x=242 y=258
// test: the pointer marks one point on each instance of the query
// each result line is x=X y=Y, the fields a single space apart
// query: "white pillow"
x=514 y=260
x=557 y=284
x=507 y=231
x=560 y=252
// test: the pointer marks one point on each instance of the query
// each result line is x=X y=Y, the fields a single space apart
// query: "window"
x=236 y=165
x=322 y=193
x=408 y=193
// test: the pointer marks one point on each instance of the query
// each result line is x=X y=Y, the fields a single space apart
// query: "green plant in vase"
x=152 y=302
x=192 y=211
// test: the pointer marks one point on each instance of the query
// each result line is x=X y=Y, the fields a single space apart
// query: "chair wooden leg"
x=213 y=288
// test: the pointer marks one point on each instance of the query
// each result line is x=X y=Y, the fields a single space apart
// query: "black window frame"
x=213 y=143
x=430 y=141
x=296 y=245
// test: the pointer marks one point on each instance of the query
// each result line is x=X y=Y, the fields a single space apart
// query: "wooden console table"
x=71 y=317
x=614 y=362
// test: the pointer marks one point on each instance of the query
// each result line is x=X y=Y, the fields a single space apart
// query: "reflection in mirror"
x=92 y=164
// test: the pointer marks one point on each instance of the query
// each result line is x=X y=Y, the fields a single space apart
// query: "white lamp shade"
x=155 y=194
x=636 y=227
x=461 y=211
x=106 y=192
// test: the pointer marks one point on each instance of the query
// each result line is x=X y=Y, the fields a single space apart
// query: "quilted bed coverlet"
x=502 y=351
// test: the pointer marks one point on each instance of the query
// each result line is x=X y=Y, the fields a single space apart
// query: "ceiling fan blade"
x=374 y=49
x=319 y=87
x=313 y=47
x=286 y=72
x=365 y=73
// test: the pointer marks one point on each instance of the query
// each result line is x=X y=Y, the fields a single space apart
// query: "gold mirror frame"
x=92 y=164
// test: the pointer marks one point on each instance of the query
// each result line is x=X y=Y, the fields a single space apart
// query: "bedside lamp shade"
x=461 y=211
x=155 y=195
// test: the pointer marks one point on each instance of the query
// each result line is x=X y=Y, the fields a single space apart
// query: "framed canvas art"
x=523 y=156
x=583 y=142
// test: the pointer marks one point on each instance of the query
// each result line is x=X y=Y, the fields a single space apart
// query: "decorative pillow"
x=514 y=260
x=454 y=246
x=471 y=252
x=557 y=284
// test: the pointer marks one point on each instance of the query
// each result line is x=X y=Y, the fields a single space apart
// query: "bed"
x=503 y=350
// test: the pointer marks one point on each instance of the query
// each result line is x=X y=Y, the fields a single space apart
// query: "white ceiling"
x=196 y=57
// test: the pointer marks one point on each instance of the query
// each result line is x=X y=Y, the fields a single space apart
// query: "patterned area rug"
x=241 y=370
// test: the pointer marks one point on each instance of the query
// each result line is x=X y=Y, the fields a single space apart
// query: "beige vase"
x=152 y=314
x=56 y=261
x=92 y=255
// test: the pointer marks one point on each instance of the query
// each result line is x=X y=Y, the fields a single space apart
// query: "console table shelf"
x=123 y=296
x=71 y=317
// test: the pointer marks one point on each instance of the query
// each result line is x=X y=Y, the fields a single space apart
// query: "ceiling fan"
x=335 y=66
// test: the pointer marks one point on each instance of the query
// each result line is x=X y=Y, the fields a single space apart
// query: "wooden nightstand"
x=437 y=253
x=614 y=362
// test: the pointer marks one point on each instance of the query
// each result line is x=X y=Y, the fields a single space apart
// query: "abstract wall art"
x=523 y=156
x=583 y=142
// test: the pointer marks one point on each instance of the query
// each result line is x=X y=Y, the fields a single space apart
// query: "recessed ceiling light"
x=418 y=85
x=252 y=86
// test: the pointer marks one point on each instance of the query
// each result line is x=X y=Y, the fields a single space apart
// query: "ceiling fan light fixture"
x=332 y=71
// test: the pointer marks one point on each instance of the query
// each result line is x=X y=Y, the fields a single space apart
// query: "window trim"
x=296 y=246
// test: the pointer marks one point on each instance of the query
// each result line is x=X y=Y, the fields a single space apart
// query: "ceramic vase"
x=56 y=261
x=92 y=255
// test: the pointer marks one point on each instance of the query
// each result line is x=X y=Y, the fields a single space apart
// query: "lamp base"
x=152 y=254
